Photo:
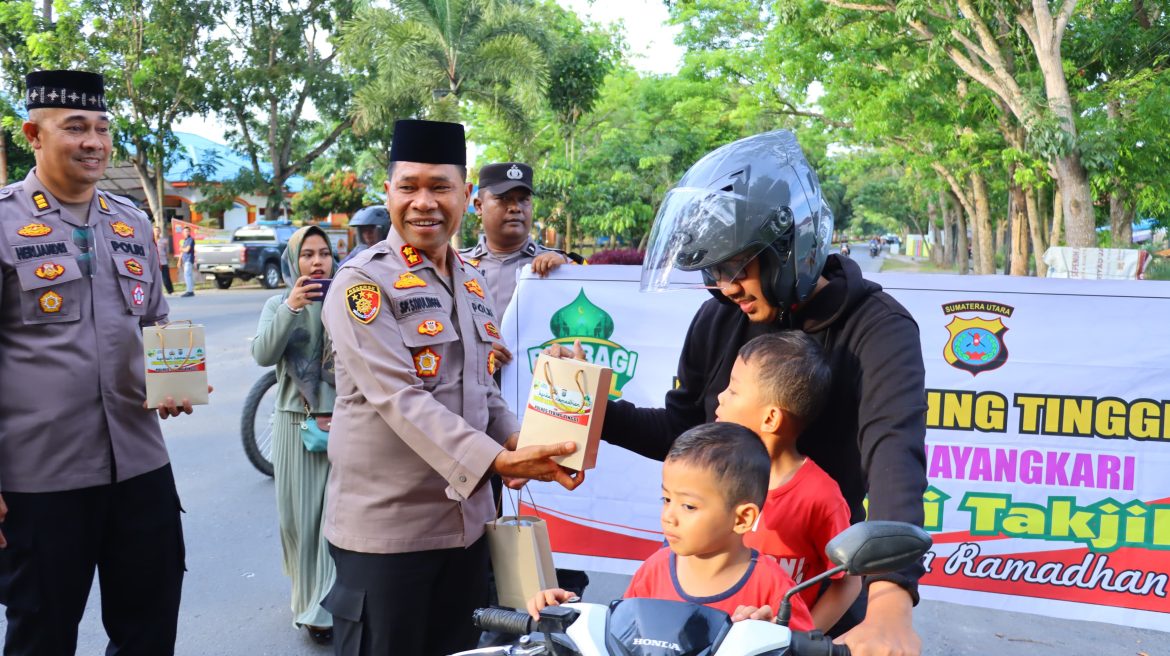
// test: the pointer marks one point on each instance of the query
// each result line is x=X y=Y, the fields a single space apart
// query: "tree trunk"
x=933 y=220
x=946 y=245
x=568 y=233
x=3 y=157
x=1120 y=216
x=1054 y=238
x=1036 y=232
x=149 y=187
x=1002 y=244
x=1019 y=231
x=962 y=256
x=985 y=257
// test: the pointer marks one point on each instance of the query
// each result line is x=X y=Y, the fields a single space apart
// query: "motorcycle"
x=650 y=627
x=845 y=250
x=874 y=249
x=256 y=422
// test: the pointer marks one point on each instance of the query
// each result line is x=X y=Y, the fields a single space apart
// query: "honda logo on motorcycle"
x=661 y=644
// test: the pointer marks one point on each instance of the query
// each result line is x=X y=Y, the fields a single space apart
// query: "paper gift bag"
x=176 y=363
x=521 y=558
x=567 y=404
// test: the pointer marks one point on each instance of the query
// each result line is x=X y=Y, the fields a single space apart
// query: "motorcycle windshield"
x=656 y=626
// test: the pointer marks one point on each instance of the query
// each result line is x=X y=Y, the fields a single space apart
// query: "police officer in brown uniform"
x=85 y=478
x=418 y=426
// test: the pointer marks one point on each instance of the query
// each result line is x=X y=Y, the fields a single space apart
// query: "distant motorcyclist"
x=373 y=224
x=845 y=248
x=875 y=247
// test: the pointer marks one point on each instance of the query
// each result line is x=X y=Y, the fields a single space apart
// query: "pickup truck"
x=253 y=252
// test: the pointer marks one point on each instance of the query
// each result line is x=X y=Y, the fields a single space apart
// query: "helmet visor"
x=696 y=229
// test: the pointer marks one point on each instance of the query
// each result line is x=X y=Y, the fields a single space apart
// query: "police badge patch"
x=122 y=229
x=474 y=288
x=49 y=271
x=134 y=267
x=491 y=329
x=34 y=230
x=51 y=302
x=408 y=280
x=426 y=363
x=430 y=327
x=364 y=300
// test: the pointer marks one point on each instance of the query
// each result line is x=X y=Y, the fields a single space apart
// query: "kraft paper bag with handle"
x=522 y=558
x=176 y=363
x=567 y=404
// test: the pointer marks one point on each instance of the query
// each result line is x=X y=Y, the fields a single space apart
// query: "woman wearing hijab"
x=291 y=337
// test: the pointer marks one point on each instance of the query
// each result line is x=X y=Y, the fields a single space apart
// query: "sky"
x=652 y=47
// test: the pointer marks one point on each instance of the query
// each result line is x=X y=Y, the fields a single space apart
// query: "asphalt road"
x=235 y=597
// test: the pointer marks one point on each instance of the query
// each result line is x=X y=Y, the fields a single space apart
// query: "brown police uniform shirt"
x=72 y=378
x=418 y=419
x=501 y=270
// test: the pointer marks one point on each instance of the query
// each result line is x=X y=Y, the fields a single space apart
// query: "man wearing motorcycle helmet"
x=373 y=224
x=750 y=216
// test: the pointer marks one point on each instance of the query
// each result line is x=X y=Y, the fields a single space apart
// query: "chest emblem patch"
x=51 y=302
x=491 y=329
x=474 y=288
x=426 y=363
x=430 y=327
x=122 y=229
x=134 y=267
x=364 y=302
x=138 y=296
x=409 y=280
x=492 y=363
x=49 y=271
x=410 y=255
x=34 y=230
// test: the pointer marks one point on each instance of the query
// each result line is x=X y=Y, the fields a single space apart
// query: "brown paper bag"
x=176 y=363
x=567 y=404
x=521 y=558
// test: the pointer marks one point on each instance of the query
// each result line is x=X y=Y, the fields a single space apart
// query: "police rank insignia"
x=409 y=280
x=426 y=363
x=49 y=271
x=491 y=329
x=474 y=262
x=364 y=301
x=34 y=230
x=138 y=296
x=410 y=255
x=40 y=201
x=134 y=267
x=102 y=202
x=473 y=287
x=430 y=327
x=122 y=229
x=51 y=302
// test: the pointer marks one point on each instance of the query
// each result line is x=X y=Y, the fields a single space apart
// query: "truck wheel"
x=271 y=278
x=223 y=282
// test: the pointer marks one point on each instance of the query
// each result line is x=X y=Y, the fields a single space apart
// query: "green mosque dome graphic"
x=583 y=320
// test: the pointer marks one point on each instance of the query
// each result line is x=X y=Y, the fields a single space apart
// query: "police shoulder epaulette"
x=7 y=192
x=125 y=202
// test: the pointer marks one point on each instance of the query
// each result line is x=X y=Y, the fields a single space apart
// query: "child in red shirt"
x=713 y=482
x=778 y=384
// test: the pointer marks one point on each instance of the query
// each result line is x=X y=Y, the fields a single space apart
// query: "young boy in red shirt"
x=713 y=482
x=778 y=385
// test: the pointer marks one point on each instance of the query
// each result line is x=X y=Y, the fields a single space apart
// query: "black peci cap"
x=502 y=177
x=65 y=89
x=428 y=142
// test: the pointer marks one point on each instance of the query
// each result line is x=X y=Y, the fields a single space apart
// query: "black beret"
x=502 y=177
x=428 y=142
x=68 y=89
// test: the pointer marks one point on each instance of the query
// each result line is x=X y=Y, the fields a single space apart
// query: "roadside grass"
x=907 y=265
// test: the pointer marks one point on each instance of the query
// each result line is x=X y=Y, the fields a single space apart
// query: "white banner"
x=1048 y=432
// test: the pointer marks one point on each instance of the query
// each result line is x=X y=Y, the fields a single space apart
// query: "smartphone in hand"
x=324 y=289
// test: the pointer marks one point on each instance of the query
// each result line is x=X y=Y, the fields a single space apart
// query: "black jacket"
x=871 y=433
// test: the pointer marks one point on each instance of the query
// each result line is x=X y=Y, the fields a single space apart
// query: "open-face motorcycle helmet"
x=373 y=215
x=753 y=198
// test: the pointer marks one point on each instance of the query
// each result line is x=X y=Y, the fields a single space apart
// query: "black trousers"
x=130 y=532
x=417 y=603
x=164 y=270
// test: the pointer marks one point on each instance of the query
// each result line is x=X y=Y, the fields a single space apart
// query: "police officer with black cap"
x=84 y=472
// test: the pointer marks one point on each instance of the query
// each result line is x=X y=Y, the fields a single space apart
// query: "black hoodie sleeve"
x=651 y=431
x=891 y=422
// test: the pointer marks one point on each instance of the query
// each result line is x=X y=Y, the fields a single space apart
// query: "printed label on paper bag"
x=174 y=360
x=573 y=406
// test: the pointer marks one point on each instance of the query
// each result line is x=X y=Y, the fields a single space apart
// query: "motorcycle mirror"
x=876 y=547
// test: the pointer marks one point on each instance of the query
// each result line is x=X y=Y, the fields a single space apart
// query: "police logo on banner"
x=976 y=343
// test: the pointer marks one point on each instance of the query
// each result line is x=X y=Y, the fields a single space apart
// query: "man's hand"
x=545 y=263
x=171 y=408
x=763 y=613
x=3 y=515
x=503 y=355
x=888 y=628
x=559 y=351
x=536 y=463
x=546 y=598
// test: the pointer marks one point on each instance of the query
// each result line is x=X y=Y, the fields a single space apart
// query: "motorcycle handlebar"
x=501 y=620
x=815 y=643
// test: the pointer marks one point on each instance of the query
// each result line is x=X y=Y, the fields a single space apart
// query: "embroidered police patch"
x=430 y=327
x=102 y=202
x=34 y=230
x=40 y=201
x=409 y=280
x=491 y=363
x=364 y=301
x=473 y=287
x=426 y=363
x=49 y=271
x=410 y=255
x=51 y=302
x=474 y=262
x=122 y=229
x=134 y=267
x=138 y=296
x=491 y=329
